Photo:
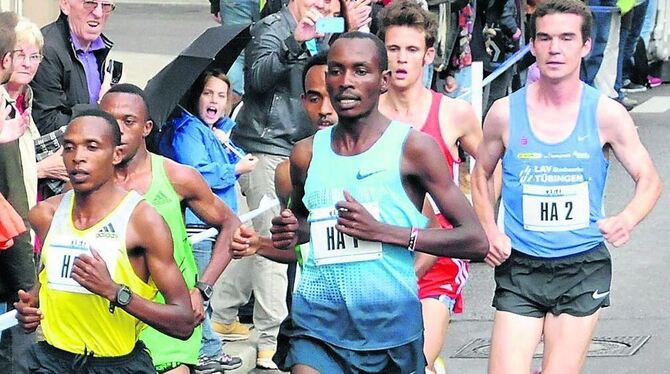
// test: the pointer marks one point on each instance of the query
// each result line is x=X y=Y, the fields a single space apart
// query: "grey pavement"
x=148 y=36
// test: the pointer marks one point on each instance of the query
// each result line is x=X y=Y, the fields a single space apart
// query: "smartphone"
x=330 y=25
x=115 y=68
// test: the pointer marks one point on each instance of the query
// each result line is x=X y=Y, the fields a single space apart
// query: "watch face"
x=206 y=290
x=123 y=296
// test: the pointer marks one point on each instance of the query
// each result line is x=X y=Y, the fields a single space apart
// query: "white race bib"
x=556 y=208
x=60 y=260
x=330 y=246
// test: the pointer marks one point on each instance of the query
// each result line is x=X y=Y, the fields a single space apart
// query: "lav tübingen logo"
x=107 y=231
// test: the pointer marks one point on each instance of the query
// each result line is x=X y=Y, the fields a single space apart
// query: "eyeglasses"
x=35 y=58
x=91 y=5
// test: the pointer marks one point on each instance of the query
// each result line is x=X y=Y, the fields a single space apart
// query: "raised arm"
x=618 y=131
x=269 y=58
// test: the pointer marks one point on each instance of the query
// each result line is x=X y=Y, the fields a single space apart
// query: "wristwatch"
x=123 y=296
x=205 y=289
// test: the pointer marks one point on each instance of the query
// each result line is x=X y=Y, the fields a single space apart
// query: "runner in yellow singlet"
x=106 y=253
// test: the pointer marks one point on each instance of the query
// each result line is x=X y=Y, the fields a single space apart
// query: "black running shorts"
x=578 y=285
x=46 y=359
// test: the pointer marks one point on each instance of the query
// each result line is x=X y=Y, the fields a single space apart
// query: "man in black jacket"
x=70 y=77
x=71 y=73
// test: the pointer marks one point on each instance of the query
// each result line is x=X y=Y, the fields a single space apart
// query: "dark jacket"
x=60 y=86
x=272 y=119
x=17 y=266
x=500 y=12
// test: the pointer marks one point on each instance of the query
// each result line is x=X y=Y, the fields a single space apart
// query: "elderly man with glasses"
x=71 y=74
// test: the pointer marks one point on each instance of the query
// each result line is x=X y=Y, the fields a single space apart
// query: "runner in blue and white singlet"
x=552 y=194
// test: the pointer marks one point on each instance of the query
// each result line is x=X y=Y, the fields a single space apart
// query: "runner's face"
x=89 y=153
x=130 y=113
x=407 y=53
x=316 y=100
x=558 y=45
x=212 y=101
x=353 y=79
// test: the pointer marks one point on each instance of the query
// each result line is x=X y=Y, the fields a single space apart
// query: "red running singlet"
x=448 y=275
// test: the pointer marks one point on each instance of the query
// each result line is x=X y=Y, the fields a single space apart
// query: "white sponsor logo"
x=597 y=295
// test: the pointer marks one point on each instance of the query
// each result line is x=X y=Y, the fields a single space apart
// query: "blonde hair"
x=28 y=32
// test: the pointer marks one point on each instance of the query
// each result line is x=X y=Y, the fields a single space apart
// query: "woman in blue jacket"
x=202 y=141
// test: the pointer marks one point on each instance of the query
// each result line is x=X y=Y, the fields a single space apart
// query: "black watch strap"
x=206 y=290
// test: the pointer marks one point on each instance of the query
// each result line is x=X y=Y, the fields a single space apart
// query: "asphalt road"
x=157 y=29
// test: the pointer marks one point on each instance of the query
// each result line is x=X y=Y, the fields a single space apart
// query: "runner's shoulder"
x=418 y=145
x=301 y=155
x=456 y=112
x=497 y=118
x=40 y=215
x=611 y=114
x=179 y=174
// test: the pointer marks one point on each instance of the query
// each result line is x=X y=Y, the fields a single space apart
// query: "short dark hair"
x=319 y=59
x=408 y=13
x=381 y=48
x=111 y=121
x=563 y=6
x=8 y=21
x=129 y=88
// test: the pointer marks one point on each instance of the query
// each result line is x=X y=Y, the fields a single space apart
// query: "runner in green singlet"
x=166 y=185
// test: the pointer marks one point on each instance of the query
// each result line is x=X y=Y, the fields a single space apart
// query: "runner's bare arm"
x=423 y=261
x=267 y=250
x=290 y=227
x=618 y=131
x=469 y=130
x=175 y=317
x=420 y=176
x=472 y=137
x=27 y=308
x=466 y=239
x=283 y=185
x=484 y=174
x=195 y=192
x=490 y=151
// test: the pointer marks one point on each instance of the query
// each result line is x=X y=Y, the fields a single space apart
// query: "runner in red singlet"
x=409 y=34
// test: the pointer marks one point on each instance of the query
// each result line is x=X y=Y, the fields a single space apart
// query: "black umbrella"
x=216 y=47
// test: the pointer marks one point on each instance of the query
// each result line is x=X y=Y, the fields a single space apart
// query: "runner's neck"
x=557 y=94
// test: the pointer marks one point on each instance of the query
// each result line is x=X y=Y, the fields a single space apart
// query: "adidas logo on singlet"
x=107 y=231
x=160 y=199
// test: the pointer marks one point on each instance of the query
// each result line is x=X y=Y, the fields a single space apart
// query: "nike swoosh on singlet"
x=597 y=295
x=363 y=175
